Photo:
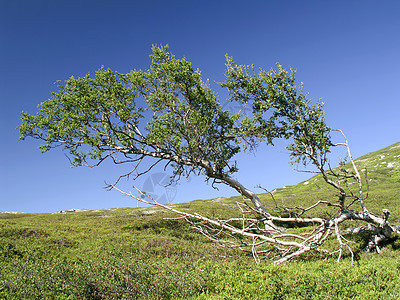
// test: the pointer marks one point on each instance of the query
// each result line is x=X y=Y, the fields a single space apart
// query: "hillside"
x=130 y=253
x=383 y=174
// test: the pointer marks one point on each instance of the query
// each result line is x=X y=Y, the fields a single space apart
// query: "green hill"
x=383 y=175
x=131 y=253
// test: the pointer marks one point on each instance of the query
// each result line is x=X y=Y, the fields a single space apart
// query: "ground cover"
x=139 y=253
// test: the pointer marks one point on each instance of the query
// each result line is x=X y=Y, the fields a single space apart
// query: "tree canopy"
x=169 y=113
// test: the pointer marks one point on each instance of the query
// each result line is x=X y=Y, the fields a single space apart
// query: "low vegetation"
x=144 y=253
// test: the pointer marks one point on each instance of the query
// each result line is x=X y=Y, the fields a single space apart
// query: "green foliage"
x=396 y=175
x=79 y=113
x=279 y=109
x=317 y=280
x=126 y=254
x=169 y=113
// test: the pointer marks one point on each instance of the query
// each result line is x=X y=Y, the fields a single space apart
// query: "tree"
x=169 y=114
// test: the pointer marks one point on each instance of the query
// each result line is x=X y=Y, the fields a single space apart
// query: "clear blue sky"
x=346 y=52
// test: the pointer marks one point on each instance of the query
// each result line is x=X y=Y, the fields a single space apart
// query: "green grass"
x=135 y=253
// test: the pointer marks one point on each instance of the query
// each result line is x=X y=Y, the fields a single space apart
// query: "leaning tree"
x=170 y=115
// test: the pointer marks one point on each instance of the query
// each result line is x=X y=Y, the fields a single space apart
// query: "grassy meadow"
x=139 y=253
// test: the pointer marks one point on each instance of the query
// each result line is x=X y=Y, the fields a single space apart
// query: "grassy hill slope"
x=138 y=253
x=383 y=174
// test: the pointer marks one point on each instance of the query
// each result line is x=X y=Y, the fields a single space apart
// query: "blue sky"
x=346 y=52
